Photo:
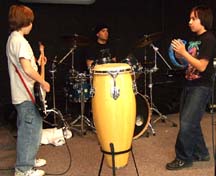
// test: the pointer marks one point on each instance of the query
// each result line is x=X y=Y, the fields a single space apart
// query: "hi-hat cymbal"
x=76 y=39
x=148 y=39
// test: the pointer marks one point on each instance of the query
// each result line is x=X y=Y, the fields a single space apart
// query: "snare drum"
x=114 y=111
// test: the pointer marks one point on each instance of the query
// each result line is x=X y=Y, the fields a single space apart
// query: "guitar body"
x=40 y=101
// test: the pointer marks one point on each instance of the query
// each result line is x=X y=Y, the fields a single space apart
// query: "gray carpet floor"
x=151 y=153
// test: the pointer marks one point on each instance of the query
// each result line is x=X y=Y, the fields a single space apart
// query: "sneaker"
x=201 y=158
x=40 y=162
x=31 y=172
x=178 y=164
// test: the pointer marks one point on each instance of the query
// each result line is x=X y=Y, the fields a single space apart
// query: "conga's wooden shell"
x=114 y=119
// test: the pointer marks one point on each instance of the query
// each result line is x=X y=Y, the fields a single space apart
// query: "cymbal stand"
x=156 y=50
x=82 y=118
x=152 y=70
x=71 y=51
x=145 y=73
x=72 y=56
x=145 y=86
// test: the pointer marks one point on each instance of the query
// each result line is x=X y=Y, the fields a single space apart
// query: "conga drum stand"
x=113 y=153
x=82 y=118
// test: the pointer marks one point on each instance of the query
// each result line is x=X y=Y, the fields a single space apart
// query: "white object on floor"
x=55 y=136
x=40 y=162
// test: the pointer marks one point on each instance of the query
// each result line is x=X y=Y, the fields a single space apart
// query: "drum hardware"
x=104 y=60
x=72 y=72
x=145 y=73
x=71 y=51
x=156 y=50
x=115 y=92
x=77 y=82
x=92 y=89
x=52 y=71
x=113 y=153
x=134 y=85
x=82 y=118
x=135 y=65
x=75 y=38
x=56 y=112
x=151 y=71
x=146 y=41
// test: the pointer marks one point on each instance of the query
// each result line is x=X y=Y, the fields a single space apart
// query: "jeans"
x=190 y=141
x=29 y=125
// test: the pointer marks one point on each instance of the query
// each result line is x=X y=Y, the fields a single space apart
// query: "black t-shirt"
x=201 y=47
x=101 y=53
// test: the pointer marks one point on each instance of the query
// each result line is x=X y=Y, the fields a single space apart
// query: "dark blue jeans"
x=190 y=139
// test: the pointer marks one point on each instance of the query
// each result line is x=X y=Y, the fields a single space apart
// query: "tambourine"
x=178 y=62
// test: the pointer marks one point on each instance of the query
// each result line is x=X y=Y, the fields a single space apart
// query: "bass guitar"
x=39 y=93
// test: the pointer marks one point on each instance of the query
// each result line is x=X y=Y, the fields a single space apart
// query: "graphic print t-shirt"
x=202 y=47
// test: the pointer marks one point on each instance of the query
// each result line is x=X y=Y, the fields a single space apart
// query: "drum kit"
x=80 y=87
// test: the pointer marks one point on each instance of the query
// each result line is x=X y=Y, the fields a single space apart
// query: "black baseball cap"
x=100 y=26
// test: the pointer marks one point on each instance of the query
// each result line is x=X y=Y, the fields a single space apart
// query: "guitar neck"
x=42 y=63
x=42 y=71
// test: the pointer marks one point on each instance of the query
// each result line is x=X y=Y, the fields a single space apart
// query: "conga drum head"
x=111 y=67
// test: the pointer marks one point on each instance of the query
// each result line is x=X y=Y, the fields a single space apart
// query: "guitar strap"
x=26 y=87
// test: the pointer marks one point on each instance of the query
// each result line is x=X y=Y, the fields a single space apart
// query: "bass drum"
x=143 y=114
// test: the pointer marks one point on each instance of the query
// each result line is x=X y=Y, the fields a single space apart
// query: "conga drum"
x=114 y=110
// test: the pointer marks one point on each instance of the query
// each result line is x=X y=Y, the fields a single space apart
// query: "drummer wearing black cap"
x=101 y=51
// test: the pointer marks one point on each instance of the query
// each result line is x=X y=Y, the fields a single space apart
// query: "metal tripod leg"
x=162 y=117
x=152 y=129
x=82 y=118
x=58 y=114
x=152 y=106
x=81 y=125
x=83 y=121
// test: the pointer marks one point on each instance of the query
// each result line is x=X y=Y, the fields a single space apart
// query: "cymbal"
x=76 y=39
x=148 y=39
